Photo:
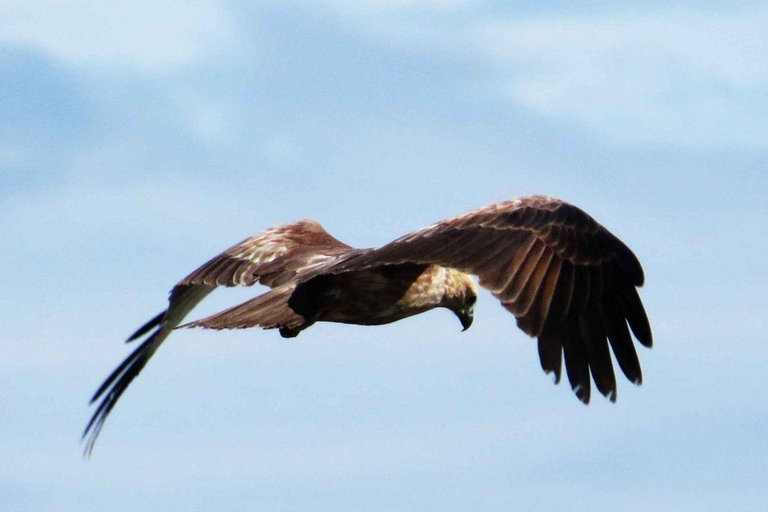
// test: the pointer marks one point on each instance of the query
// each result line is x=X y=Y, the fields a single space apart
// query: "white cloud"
x=210 y=119
x=687 y=78
x=691 y=78
x=396 y=5
x=397 y=23
x=143 y=34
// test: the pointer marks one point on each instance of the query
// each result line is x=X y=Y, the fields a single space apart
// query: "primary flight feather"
x=568 y=281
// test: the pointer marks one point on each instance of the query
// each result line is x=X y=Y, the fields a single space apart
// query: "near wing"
x=273 y=257
x=567 y=279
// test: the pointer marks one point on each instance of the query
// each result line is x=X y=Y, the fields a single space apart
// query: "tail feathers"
x=144 y=329
x=116 y=384
x=268 y=311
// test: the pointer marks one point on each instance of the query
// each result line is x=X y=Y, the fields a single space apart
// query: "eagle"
x=568 y=281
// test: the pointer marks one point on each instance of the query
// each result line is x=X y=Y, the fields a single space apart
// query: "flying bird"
x=568 y=281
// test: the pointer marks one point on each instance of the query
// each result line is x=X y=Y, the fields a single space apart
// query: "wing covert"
x=272 y=257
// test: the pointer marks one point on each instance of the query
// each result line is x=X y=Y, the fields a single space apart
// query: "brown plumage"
x=568 y=281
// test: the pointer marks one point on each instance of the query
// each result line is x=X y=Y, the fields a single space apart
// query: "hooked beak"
x=466 y=316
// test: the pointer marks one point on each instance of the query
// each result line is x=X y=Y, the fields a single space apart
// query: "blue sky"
x=138 y=139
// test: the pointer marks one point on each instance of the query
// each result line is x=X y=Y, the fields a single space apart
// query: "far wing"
x=567 y=279
x=272 y=257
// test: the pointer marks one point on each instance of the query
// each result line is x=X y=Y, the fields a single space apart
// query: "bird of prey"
x=568 y=281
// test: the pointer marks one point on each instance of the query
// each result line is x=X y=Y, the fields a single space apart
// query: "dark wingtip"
x=555 y=376
x=629 y=263
x=114 y=386
x=550 y=350
x=147 y=327
x=633 y=310
x=609 y=393
x=582 y=393
x=122 y=368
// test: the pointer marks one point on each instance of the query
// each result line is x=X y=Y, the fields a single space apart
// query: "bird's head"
x=461 y=295
x=467 y=313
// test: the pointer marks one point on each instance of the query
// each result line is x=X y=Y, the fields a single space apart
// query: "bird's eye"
x=471 y=300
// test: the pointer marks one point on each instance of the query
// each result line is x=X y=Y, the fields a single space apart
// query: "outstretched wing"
x=273 y=257
x=567 y=279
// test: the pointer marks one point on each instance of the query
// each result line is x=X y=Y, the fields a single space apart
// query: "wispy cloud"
x=395 y=5
x=691 y=78
x=144 y=35
x=688 y=78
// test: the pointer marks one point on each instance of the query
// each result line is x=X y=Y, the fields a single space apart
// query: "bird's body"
x=371 y=296
x=568 y=281
x=386 y=294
